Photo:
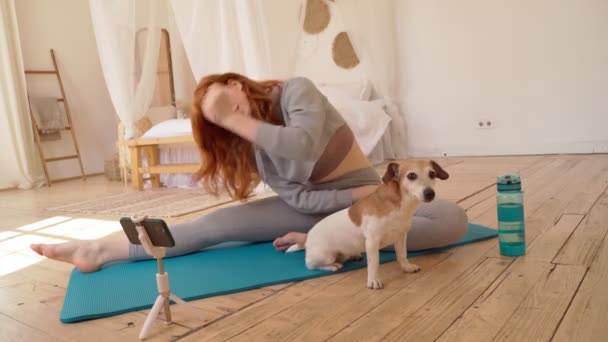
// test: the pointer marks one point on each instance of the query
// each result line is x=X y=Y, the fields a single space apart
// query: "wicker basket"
x=112 y=169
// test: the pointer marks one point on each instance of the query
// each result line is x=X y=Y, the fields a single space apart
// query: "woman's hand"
x=241 y=125
x=219 y=117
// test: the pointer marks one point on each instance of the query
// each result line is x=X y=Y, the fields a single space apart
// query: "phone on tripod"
x=157 y=230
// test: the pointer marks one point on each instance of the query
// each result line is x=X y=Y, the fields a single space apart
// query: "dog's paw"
x=336 y=266
x=410 y=268
x=374 y=284
x=294 y=248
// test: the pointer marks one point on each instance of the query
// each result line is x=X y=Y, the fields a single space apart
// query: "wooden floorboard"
x=585 y=241
x=391 y=314
x=327 y=312
x=240 y=321
x=13 y=330
x=540 y=313
x=487 y=315
x=429 y=322
x=490 y=312
x=586 y=317
x=469 y=293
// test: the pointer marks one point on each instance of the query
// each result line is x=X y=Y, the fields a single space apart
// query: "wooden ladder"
x=70 y=128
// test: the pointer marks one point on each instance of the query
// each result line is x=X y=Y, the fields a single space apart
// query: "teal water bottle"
x=510 y=206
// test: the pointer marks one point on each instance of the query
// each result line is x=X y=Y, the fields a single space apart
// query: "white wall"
x=65 y=26
x=538 y=69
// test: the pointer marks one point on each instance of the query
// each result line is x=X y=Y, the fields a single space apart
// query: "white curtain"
x=20 y=161
x=371 y=28
x=257 y=38
x=115 y=27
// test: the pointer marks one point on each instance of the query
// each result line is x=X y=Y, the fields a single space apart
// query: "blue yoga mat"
x=131 y=286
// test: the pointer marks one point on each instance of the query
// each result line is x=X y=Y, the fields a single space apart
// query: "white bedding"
x=169 y=128
x=174 y=153
x=377 y=125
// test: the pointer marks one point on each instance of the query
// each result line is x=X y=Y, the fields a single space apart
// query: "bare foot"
x=289 y=239
x=84 y=255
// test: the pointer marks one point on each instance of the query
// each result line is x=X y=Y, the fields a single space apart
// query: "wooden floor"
x=558 y=291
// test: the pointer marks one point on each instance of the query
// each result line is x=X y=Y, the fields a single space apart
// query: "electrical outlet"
x=484 y=124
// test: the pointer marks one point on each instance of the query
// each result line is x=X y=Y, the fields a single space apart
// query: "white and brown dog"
x=377 y=221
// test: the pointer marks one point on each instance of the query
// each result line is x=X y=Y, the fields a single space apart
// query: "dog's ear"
x=441 y=174
x=392 y=173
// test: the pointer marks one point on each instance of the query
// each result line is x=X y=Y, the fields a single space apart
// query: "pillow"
x=361 y=90
x=170 y=128
x=367 y=119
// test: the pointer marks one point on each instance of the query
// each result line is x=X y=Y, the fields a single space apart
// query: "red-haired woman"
x=287 y=134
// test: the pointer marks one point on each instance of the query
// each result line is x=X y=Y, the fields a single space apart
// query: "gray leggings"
x=435 y=224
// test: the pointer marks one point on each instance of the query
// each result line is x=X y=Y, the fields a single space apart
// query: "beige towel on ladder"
x=49 y=118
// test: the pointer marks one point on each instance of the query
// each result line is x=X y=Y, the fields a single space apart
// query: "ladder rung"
x=61 y=158
x=60 y=100
x=66 y=128
x=40 y=72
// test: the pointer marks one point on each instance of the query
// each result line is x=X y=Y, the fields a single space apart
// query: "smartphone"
x=157 y=230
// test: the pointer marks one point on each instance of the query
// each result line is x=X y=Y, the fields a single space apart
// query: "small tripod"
x=162 y=279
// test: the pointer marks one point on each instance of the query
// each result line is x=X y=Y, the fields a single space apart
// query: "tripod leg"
x=151 y=317
x=167 y=309
x=176 y=299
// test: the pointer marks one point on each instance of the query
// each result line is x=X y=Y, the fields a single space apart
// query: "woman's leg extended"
x=435 y=224
x=261 y=220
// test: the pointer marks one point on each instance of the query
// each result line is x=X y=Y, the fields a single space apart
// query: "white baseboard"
x=583 y=147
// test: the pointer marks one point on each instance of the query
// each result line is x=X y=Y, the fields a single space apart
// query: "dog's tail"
x=295 y=247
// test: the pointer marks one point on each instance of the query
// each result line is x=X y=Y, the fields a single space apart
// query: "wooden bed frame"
x=154 y=169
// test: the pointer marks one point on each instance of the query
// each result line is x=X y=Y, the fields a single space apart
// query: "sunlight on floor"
x=44 y=223
x=15 y=252
x=83 y=229
x=24 y=241
x=14 y=262
x=9 y=234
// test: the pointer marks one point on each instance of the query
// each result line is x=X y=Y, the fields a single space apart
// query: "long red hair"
x=227 y=158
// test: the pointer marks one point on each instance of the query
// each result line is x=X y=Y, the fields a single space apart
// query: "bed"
x=167 y=156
